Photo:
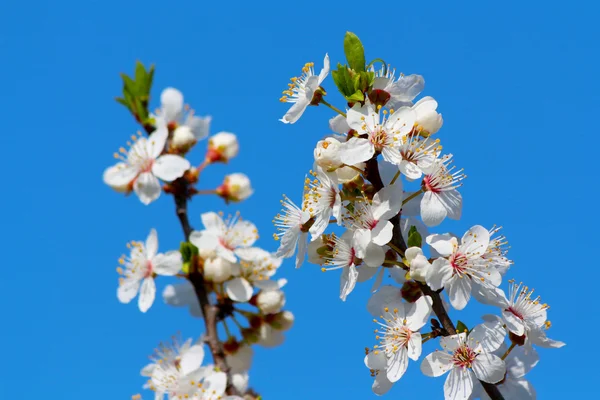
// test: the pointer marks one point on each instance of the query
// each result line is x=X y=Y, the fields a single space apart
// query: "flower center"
x=379 y=138
x=515 y=312
x=148 y=269
x=464 y=356
x=459 y=263
x=147 y=165
x=225 y=244
x=428 y=184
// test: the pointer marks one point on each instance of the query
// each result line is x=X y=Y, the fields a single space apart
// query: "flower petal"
x=356 y=150
x=192 y=359
x=199 y=126
x=167 y=264
x=156 y=142
x=171 y=101
x=436 y=364
x=459 y=292
x=475 y=241
x=147 y=188
x=147 y=294
x=489 y=368
x=151 y=244
x=128 y=290
x=433 y=211
x=119 y=175
x=459 y=384
x=397 y=364
x=382 y=233
x=488 y=336
x=513 y=323
x=388 y=201
x=418 y=313
x=439 y=274
x=347 y=281
x=238 y=289
x=204 y=240
x=443 y=244
x=415 y=346
x=170 y=167
x=374 y=255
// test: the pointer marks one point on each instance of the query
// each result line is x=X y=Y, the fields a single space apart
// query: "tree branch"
x=209 y=311
x=372 y=171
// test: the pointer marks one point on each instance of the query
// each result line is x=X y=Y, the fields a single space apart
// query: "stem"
x=209 y=311
x=334 y=108
x=392 y=262
x=512 y=346
x=396 y=249
x=360 y=171
x=412 y=196
x=205 y=191
x=395 y=178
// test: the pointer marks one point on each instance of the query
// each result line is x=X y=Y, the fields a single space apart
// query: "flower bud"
x=282 y=321
x=347 y=174
x=222 y=147
x=270 y=301
x=269 y=337
x=183 y=139
x=206 y=254
x=327 y=154
x=240 y=360
x=217 y=269
x=240 y=381
x=428 y=121
x=235 y=187
x=251 y=336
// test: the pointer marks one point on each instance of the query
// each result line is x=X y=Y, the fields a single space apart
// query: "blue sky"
x=517 y=85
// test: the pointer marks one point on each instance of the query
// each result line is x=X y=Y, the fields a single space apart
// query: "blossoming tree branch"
x=379 y=183
x=224 y=278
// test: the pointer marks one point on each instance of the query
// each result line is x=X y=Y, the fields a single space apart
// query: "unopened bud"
x=222 y=147
x=270 y=301
x=250 y=335
x=235 y=187
x=183 y=139
x=327 y=154
x=207 y=254
x=282 y=321
x=347 y=174
x=217 y=269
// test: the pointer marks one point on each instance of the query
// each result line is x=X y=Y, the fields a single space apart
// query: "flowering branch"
x=383 y=132
x=220 y=264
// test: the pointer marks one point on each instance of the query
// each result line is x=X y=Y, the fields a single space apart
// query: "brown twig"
x=209 y=311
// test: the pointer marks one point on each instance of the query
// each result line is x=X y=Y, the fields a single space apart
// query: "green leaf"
x=129 y=85
x=357 y=96
x=140 y=73
x=414 y=237
x=461 y=327
x=124 y=102
x=355 y=52
x=343 y=80
x=187 y=251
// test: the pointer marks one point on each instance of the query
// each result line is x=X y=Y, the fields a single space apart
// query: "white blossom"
x=463 y=267
x=302 y=90
x=398 y=336
x=323 y=201
x=441 y=199
x=173 y=115
x=372 y=217
x=418 y=155
x=140 y=168
x=292 y=229
x=382 y=135
x=223 y=237
x=402 y=90
x=217 y=269
x=139 y=268
x=467 y=358
x=256 y=265
x=349 y=251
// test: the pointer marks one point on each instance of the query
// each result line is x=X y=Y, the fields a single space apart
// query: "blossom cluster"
x=224 y=277
x=381 y=181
